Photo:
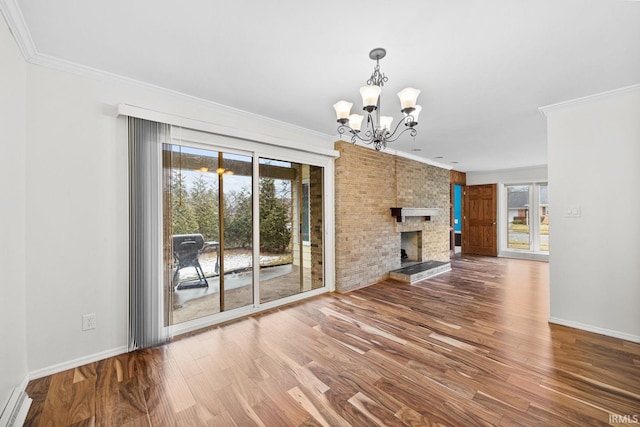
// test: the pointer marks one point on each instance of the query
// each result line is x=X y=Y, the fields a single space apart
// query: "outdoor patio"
x=276 y=282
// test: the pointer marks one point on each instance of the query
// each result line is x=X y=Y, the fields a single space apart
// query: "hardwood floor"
x=469 y=347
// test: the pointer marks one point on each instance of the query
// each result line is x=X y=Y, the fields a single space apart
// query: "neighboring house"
x=518 y=206
x=544 y=204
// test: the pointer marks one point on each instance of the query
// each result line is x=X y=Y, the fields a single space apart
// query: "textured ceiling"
x=484 y=67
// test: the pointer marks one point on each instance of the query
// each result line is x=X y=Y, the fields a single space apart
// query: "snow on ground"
x=234 y=261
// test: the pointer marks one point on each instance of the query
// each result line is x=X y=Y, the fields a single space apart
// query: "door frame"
x=455 y=178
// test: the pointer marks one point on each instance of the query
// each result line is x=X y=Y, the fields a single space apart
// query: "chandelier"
x=378 y=127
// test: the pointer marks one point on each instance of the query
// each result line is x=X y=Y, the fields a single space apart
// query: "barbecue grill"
x=186 y=250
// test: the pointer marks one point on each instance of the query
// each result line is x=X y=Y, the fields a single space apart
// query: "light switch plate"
x=572 y=212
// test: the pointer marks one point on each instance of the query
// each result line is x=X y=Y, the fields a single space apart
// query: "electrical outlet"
x=88 y=321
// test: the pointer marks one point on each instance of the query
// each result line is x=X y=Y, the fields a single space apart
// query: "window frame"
x=306 y=209
x=534 y=252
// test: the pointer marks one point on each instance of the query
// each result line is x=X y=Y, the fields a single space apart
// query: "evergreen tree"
x=239 y=219
x=183 y=219
x=204 y=202
x=275 y=233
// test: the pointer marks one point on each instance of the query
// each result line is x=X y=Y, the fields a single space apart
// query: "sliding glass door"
x=222 y=226
x=209 y=215
x=291 y=229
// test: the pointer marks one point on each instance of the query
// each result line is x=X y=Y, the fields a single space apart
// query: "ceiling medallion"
x=378 y=128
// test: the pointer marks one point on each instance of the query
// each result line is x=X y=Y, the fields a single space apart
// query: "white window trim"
x=503 y=248
x=225 y=131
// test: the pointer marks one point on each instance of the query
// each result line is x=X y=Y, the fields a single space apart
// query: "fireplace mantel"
x=427 y=213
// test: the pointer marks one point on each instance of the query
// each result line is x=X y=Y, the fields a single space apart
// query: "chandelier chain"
x=377 y=78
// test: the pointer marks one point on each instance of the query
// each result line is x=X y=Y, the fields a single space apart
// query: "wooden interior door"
x=479 y=231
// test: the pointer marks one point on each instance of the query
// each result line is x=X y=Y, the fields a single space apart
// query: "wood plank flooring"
x=469 y=347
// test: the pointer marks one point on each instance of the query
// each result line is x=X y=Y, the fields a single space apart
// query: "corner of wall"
x=13 y=351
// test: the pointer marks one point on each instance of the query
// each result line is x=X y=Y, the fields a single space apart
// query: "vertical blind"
x=146 y=302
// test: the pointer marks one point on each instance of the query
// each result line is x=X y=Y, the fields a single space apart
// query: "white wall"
x=13 y=349
x=594 y=154
x=77 y=207
x=508 y=176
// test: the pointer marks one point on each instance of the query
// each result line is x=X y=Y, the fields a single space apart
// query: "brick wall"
x=368 y=183
x=316 y=228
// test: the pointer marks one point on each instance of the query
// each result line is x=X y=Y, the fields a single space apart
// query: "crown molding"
x=422 y=159
x=507 y=170
x=18 y=27
x=83 y=70
x=399 y=153
x=544 y=110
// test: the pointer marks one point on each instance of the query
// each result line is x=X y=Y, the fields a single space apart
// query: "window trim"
x=223 y=131
x=534 y=253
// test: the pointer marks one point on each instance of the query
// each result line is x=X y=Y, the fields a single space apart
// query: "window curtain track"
x=148 y=297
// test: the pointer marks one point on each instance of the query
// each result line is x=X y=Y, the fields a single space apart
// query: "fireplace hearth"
x=420 y=271
x=415 y=264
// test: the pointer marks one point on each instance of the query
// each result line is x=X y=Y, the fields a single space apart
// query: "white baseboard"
x=54 y=369
x=532 y=256
x=17 y=407
x=595 y=329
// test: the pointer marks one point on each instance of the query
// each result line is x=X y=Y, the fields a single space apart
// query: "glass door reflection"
x=518 y=232
x=206 y=192
x=291 y=229
x=543 y=204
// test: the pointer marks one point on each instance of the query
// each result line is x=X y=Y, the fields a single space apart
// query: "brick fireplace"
x=368 y=238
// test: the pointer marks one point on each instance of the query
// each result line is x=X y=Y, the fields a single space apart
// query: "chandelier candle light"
x=378 y=128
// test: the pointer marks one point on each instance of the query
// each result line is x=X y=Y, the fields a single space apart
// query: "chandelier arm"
x=342 y=129
x=412 y=131
x=368 y=137
x=391 y=136
x=356 y=135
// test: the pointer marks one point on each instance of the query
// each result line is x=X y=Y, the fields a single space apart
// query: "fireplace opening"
x=410 y=244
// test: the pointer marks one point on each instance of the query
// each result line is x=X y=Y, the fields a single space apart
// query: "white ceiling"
x=484 y=66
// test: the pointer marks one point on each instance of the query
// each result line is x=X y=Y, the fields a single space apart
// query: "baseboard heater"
x=16 y=409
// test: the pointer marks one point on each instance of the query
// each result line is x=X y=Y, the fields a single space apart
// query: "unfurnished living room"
x=239 y=213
